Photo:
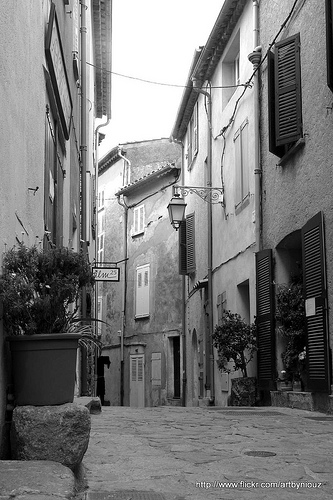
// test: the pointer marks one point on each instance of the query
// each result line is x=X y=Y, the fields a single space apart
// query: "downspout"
x=255 y=58
x=96 y=226
x=123 y=307
x=83 y=149
x=101 y=125
x=210 y=373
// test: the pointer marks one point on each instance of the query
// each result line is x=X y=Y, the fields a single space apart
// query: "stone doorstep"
x=91 y=402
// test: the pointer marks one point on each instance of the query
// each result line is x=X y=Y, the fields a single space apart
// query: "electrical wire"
x=160 y=83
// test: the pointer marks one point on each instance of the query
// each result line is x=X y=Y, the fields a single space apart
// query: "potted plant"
x=290 y=315
x=40 y=292
x=235 y=341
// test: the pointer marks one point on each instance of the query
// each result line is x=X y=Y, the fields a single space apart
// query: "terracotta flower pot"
x=43 y=368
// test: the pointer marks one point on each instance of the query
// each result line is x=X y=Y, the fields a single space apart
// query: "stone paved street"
x=209 y=453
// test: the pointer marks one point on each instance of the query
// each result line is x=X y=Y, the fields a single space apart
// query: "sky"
x=152 y=40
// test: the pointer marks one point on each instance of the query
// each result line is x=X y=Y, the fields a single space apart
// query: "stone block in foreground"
x=35 y=480
x=56 y=433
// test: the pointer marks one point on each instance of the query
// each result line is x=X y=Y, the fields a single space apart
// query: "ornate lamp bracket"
x=211 y=195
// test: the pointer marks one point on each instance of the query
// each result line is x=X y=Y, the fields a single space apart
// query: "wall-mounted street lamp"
x=177 y=204
x=176 y=210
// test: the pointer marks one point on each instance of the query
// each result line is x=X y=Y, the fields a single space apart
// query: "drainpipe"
x=183 y=311
x=255 y=58
x=210 y=374
x=126 y=176
x=96 y=224
x=83 y=149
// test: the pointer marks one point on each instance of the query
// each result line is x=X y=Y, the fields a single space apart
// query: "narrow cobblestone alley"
x=177 y=453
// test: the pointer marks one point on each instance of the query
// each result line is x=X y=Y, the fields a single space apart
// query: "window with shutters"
x=187 y=245
x=138 y=220
x=101 y=236
x=284 y=96
x=231 y=70
x=241 y=167
x=101 y=198
x=53 y=180
x=192 y=137
x=329 y=42
x=142 y=291
x=221 y=306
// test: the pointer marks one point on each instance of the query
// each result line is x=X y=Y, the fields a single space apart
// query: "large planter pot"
x=43 y=368
x=243 y=391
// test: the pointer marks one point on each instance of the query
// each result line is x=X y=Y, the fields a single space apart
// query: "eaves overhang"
x=102 y=22
x=205 y=62
x=218 y=39
x=187 y=103
x=109 y=159
x=169 y=168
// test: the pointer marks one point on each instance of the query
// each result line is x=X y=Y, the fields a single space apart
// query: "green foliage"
x=38 y=286
x=290 y=314
x=235 y=341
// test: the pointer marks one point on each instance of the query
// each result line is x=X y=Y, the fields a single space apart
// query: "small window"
x=100 y=247
x=142 y=291
x=192 y=137
x=329 y=43
x=231 y=70
x=101 y=199
x=138 y=220
x=236 y=70
x=221 y=306
x=241 y=166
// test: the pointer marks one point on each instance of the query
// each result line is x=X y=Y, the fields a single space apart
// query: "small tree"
x=235 y=341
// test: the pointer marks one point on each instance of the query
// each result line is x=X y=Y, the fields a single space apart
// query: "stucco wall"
x=22 y=105
x=292 y=194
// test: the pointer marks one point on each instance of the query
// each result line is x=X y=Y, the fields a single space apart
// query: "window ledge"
x=139 y=233
x=142 y=316
x=298 y=145
x=244 y=203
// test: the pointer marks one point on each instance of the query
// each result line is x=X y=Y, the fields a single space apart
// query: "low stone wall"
x=302 y=400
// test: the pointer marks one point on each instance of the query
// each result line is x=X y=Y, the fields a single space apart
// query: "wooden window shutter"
x=238 y=168
x=142 y=292
x=314 y=285
x=265 y=320
x=273 y=148
x=182 y=248
x=190 y=243
x=329 y=42
x=288 y=101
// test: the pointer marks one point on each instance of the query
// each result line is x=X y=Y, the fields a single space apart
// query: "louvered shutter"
x=238 y=168
x=288 y=103
x=265 y=320
x=314 y=284
x=329 y=42
x=190 y=243
x=273 y=148
x=142 y=292
x=182 y=248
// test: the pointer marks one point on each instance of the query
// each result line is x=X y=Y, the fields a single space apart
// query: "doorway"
x=137 y=386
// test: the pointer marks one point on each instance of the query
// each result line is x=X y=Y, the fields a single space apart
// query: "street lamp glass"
x=176 y=210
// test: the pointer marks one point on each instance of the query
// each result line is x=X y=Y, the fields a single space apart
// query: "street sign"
x=106 y=273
